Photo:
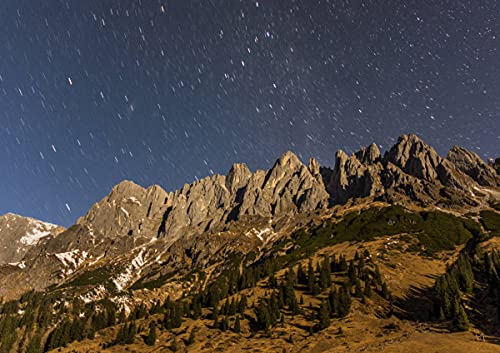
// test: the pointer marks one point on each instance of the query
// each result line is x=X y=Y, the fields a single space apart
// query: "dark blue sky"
x=164 y=92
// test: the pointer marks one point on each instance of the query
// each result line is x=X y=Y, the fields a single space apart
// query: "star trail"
x=167 y=92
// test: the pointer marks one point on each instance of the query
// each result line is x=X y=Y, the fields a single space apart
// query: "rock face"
x=134 y=227
x=129 y=209
x=287 y=188
x=18 y=234
x=410 y=171
x=356 y=176
x=471 y=164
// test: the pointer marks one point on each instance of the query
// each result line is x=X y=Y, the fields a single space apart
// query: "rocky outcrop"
x=410 y=171
x=496 y=165
x=471 y=164
x=414 y=158
x=356 y=176
x=287 y=188
x=19 y=234
x=129 y=209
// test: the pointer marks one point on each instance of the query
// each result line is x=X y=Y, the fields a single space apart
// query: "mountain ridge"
x=225 y=237
x=131 y=216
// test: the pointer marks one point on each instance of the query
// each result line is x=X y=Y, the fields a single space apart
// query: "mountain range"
x=140 y=245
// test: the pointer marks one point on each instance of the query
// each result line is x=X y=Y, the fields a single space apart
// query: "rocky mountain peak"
x=471 y=164
x=238 y=176
x=125 y=188
x=368 y=155
x=288 y=160
x=355 y=176
x=414 y=157
x=128 y=209
x=314 y=168
x=19 y=234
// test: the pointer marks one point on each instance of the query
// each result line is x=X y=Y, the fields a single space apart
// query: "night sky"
x=164 y=92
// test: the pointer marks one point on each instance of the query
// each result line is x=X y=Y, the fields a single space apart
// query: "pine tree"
x=325 y=280
x=461 y=321
x=272 y=281
x=174 y=345
x=237 y=325
x=344 y=302
x=263 y=316
x=351 y=272
x=368 y=290
x=323 y=315
x=301 y=275
x=34 y=346
x=151 y=338
x=311 y=279
x=378 y=276
x=242 y=304
x=192 y=337
x=386 y=294
x=358 y=292
x=224 y=324
x=334 y=267
x=342 y=263
x=466 y=276
x=196 y=307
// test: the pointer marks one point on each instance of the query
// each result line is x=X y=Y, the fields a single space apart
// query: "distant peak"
x=314 y=166
x=289 y=156
x=29 y=219
x=411 y=144
x=287 y=160
x=410 y=139
x=127 y=185
x=239 y=168
x=368 y=155
x=238 y=176
x=10 y=214
x=125 y=188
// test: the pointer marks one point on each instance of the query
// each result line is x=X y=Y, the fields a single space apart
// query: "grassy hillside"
x=340 y=284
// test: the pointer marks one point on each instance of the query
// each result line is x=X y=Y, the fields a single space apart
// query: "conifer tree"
x=272 y=281
x=325 y=280
x=323 y=315
x=192 y=337
x=344 y=302
x=301 y=275
x=368 y=289
x=386 y=294
x=378 y=276
x=237 y=325
x=174 y=345
x=311 y=279
x=358 y=292
x=242 y=304
x=34 y=346
x=151 y=338
x=462 y=321
x=342 y=264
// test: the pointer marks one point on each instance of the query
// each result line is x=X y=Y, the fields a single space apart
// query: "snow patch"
x=138 y=261
x=123 y=279
x=123 y=303
x=258 y=234
x=94 y=295
x=134 y=200
x=40 y=230
x=21 y=264
x=72 y=258
x=124 y=211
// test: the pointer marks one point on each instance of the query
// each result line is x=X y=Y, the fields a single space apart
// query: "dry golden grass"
x=363 y=330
